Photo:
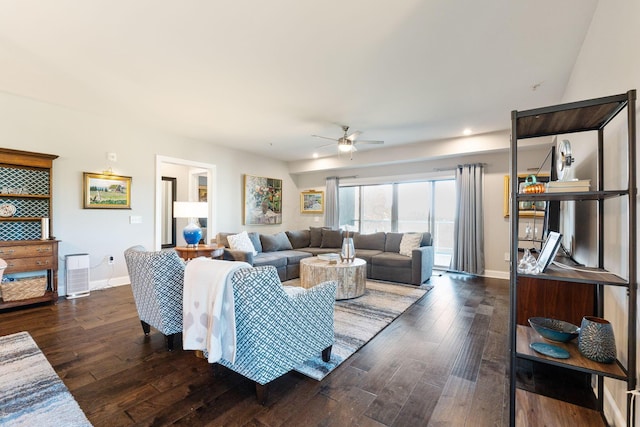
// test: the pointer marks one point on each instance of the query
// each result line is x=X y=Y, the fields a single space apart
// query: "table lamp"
x=192 y=210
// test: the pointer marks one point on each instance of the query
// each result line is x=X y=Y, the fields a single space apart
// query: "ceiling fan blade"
x=325 y=137
x=326 y=145
x=353 y=136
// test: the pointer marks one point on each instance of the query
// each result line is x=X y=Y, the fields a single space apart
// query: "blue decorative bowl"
x=553 y=329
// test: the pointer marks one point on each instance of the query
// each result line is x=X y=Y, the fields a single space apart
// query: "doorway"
x=193 y=179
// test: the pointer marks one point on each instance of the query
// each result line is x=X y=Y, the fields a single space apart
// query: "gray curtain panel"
x=331 y=214
x=468 y=251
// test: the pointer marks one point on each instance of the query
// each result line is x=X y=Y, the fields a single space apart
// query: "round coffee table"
x=350 y=276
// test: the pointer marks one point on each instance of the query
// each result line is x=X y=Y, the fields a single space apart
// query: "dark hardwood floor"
x=442 y=362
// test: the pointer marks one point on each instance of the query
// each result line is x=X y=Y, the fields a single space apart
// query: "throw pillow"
x=373 y=241
x=276 y=242
x=255 y=239
x=331 y=239
x=315 y=237
x=410 y=241
x=241 y=242
x=299 y=239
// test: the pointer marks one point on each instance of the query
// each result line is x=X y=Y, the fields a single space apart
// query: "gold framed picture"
x=106 y=191
x=312 y=202
x=525 y=208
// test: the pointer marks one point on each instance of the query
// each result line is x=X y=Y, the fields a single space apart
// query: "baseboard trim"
x=496 y=274
x=109 y=283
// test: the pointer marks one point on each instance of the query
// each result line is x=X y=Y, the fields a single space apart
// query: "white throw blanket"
x=209 y=322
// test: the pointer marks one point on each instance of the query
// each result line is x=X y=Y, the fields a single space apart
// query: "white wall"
x=82 y=141
x=609 y=64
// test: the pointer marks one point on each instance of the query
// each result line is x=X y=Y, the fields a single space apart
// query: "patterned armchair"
x=277 y=330
x=157 y=279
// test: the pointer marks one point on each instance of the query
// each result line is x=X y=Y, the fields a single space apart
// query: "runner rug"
x=31 y=393
x=358 y=320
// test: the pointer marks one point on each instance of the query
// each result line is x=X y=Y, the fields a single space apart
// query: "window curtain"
x=331 y=213
x=468 y=251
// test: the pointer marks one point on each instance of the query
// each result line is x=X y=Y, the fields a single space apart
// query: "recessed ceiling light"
x=466 y=132
x=315 y=155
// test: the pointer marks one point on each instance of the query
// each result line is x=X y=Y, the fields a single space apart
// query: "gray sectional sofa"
x=380 y=250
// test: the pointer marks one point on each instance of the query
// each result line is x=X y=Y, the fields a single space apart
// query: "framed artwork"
x=312 y=202
x=262 y=200
x=525 y=208
x=106 y=191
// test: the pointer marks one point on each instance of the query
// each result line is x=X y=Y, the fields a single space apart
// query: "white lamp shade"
x=190 y=210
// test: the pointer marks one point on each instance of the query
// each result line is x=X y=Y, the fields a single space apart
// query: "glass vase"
x=348 y=252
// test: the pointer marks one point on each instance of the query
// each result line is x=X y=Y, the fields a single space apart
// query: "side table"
x=210 y=251
x=351 y=276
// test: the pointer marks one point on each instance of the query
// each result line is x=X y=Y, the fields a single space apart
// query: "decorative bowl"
x=553 y=329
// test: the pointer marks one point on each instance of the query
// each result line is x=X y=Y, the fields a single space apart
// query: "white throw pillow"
x=409 y=242
x=241 y=242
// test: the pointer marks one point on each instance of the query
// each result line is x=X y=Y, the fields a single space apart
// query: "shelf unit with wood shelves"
x=26 y=199
x=582 y=116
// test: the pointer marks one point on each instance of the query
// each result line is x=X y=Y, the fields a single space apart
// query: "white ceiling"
x=266 y=75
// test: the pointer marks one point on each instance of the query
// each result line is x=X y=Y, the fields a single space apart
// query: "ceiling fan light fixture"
x=345 y=147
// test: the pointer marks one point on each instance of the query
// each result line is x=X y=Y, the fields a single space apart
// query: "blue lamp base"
x=192 y=234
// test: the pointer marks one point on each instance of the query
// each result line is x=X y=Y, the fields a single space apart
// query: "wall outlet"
x=110 y=260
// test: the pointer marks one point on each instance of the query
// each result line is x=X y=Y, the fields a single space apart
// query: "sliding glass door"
x=403 y=207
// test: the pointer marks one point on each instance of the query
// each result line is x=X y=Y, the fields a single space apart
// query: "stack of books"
x=329 y=257
x=572 y=186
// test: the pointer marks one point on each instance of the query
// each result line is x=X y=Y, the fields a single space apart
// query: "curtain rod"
x=342 y=177
x=452 y=168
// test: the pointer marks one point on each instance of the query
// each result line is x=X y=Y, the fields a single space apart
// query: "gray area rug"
x=31 y=393
x=358 y=320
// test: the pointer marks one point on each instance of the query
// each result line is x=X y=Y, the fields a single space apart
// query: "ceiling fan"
x=347 y=143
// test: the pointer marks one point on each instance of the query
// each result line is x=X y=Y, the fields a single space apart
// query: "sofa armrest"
x=233 y=255
x=421 y=264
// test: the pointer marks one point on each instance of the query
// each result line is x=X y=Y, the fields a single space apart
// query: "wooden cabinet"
x=26 y=235
x=569 y=293
x=556 y=299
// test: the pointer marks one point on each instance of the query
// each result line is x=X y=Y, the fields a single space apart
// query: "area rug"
x=31 y=393
x=358 y=320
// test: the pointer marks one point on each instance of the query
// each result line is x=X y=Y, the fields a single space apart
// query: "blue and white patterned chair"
x=277 y=331
x=157 y=280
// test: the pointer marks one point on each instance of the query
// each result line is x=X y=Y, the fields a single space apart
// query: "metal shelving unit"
x=589 y=115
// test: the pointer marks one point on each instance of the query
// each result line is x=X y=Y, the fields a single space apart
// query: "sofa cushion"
x=270 y=258
x=255 y=239
x=367 y=254
x=410 y=241
x=373 y=241
x=315 y=237
x=241 y=242
x=389 y=259
x=392 y=243
x=293 y=256
x=221 y=239
x=427 y=240
x=299 y=239
x=276 y=242
x=331 y=239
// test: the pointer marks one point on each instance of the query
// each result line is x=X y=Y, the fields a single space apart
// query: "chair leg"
x=170 y=342
x=145 y=327
x=262 y=392
x=326 y=354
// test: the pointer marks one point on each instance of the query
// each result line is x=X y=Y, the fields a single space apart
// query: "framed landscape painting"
x=106 y=191
x=262 y=200
x=312 y=202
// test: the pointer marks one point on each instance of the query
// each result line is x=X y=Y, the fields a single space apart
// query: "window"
x=403 y=207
